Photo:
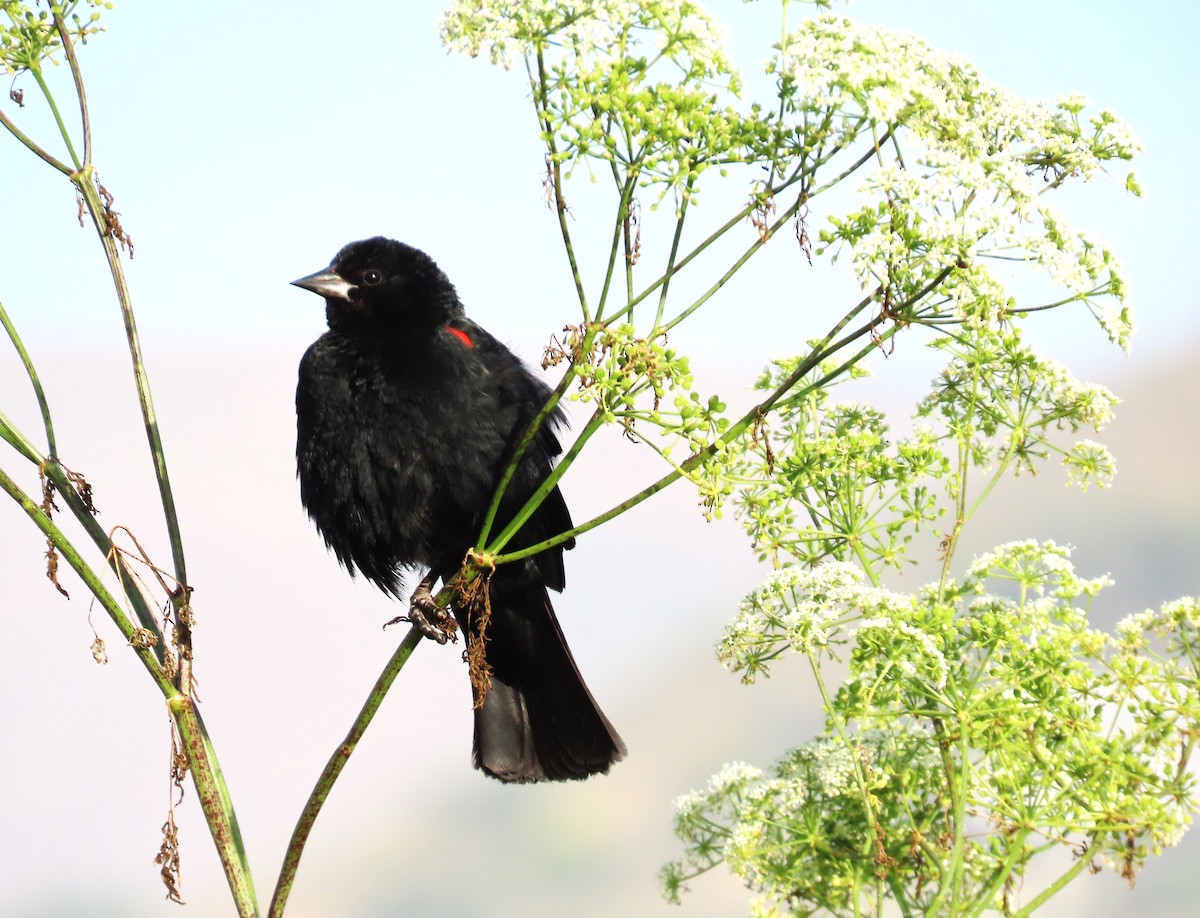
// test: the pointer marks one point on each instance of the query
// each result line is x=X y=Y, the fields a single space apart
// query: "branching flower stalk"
x=26 y=41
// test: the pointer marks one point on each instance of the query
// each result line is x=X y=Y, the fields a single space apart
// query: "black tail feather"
x=538 y=721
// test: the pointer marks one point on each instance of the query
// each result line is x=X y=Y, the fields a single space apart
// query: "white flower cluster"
x=976 y=160
x=798 y=608
x=1033 y=564
x=508 y=30
x=595 y=31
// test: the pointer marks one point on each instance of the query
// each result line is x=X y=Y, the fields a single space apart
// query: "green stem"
x=17 y=440
x=858 y=164
x=621 y=226
x=549 y=484
x=62 y=128
x=737 y=266
x=202 y=761
x=839 y=725
x=83 y=181
x=147 y=618
x=1057 y=886
x=38 y=392
x=64 y=547
x=77 y=75
x=701 y=247
x=541 y=97
x=215 y=802
x=333 y=768
x=683 y=208
x=1016 y=852
x=733 y=432
x=530 y=432
x=32 y=146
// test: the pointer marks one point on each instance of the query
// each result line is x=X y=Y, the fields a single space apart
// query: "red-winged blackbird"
x=407 y=414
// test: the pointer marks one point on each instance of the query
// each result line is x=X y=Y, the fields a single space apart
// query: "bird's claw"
x=429 y=618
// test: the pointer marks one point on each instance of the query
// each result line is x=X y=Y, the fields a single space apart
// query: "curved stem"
x=333 y=768
x=38 y=392
x=32 y=146
x=64 y=547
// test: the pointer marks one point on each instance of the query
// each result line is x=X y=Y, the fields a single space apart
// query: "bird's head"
x=381 y=281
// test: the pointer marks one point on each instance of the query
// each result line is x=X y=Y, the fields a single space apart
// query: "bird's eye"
x=371 y=278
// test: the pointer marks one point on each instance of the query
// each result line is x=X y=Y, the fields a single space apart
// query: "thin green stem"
x=620 y=227
x=62 y=128
x=822 y=352
x=1081 y=864
x=541 y=97
x=83 y=181
x=58 y=475
x=17 y=440
x=737 y=266
x=1003 y=873
x=851 y=748
x=595 y=422
x=674 y=253
x=64 y=547
x=523 y=445
x=77 y=76
x=333 y=768
x=38 y=392
x=858 y=164
x=32 y=146
x=701 y=247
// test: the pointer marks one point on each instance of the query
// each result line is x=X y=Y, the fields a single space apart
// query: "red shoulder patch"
x=461 y=335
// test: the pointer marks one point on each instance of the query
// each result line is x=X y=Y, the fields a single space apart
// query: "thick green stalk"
x=215 y=802
x=333 y=768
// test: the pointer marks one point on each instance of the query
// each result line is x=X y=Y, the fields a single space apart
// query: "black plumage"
x=407 y=413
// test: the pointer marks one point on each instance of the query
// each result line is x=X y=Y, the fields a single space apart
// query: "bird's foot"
x=430 y=619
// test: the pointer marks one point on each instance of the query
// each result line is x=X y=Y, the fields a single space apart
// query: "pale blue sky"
x=245 y=143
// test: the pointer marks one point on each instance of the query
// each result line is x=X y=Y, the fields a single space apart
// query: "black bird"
x=407 y=413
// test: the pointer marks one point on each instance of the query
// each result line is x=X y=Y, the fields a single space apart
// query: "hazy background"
x=245 y=144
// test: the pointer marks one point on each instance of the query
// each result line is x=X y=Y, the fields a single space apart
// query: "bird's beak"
x=326 y=283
